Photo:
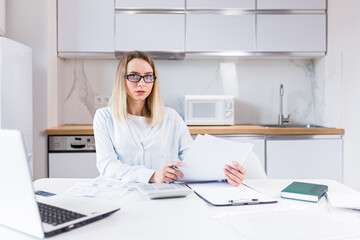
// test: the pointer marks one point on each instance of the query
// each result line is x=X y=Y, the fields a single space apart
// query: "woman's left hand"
x=235 y=176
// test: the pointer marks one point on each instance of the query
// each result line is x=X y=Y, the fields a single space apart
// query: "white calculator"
x=164 y=190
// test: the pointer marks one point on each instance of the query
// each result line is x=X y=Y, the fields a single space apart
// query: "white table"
x=177 y=218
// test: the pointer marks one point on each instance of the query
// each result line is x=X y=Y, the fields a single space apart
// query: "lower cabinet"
x=297 y=156
x=72 y=165
x=317 y=156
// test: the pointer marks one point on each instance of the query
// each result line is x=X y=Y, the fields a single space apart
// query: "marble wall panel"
x=254 y=83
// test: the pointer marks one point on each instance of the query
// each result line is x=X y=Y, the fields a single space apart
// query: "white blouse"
x=141 y=125
x=122 y=153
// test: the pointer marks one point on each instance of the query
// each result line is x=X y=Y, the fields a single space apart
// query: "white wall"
x=26 y=22
x=340 y=78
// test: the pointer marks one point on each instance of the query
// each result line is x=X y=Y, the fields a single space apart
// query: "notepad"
x=224 y=194
x=304 y=191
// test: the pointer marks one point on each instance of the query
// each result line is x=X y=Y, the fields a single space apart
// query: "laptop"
x=42 y=214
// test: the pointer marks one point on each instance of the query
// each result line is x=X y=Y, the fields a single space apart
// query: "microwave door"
x=206 y=113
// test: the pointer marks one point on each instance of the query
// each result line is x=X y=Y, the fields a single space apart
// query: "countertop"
x=236 y=129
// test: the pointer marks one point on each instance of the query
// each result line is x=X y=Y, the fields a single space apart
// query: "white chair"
x=253 y=167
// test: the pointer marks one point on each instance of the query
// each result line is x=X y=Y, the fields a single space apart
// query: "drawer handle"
x=77 y=145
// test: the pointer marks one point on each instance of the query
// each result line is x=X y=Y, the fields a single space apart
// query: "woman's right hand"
x=167 y=173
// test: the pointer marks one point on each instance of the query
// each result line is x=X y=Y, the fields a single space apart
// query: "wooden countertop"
x=236 y=129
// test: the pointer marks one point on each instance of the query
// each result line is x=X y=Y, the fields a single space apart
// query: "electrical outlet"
x=101 y=101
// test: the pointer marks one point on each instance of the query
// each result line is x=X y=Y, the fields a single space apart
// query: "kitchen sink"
x=292 y=126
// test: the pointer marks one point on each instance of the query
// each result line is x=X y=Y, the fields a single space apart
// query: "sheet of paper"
x=220 y=193
x=291 y=224
x=208 y=156
x=100 y=188
x=344 y=200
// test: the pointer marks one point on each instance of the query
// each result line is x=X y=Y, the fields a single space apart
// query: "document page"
x=222 y=193
x=100 y=188
x=344 y=200
x=208 y=156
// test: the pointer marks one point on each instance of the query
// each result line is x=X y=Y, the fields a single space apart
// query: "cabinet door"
x=315 y=158
x=210 y=32
x=85 y=25
x=73 y=165
x=292 y=4
x=223 y=4
x=149 y=4
x=259 y=144
x=2 y=17
x=150 y=32
x=291 y=33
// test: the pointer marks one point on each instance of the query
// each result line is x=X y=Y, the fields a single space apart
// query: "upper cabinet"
x=291 y=33
x=220 y=32
x=85 y=26
x=220 y=27
x=291 y=4
x=149 y=4
x=173 y=29
x=150 y=32
x=156 y=26
x=223 y=4
x=294 y=26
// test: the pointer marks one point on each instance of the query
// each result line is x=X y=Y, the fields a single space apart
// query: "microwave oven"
x=209 y=110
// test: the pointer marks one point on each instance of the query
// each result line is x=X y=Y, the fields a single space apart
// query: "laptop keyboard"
x=55 y=215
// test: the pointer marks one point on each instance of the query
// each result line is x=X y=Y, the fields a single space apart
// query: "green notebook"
x=304 y=191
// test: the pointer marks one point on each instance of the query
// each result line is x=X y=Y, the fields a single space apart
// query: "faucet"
x=282 y=120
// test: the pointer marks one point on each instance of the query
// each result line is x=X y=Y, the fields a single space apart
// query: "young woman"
x=137 y=139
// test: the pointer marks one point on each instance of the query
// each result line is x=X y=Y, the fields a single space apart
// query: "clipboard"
x=220 y=194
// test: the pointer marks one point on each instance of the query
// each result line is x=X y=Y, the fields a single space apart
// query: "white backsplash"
x=254 y=83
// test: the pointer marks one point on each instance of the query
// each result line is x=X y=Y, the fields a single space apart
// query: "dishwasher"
x=72 y=157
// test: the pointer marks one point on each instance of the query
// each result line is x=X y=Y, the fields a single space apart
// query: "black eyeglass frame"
x=140 y=77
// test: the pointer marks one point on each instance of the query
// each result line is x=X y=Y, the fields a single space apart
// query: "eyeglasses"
x=136 y=78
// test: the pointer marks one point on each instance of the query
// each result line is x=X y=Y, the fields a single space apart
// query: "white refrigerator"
x=16 y=94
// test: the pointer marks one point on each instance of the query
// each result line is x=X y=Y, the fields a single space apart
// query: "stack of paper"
x=208 y=156
x=344 y=200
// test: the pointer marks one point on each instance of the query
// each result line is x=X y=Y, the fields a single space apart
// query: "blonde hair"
x=118 y=101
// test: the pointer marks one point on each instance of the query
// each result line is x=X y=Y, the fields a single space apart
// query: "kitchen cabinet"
x=85 y=26
x=172 y=29
x=291 y=32
x=2 y=17
x=149 y=4
x=73 y=165
x=224 y=4
x=302 y=158
x=257 y=140
x=150 y=32
x=218 y=32
x=291 y=4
